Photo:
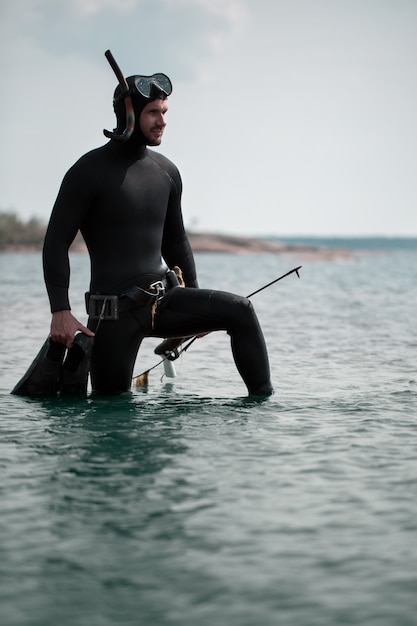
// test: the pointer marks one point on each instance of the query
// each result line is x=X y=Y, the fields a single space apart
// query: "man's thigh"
x=114 y=353
x=186 y=311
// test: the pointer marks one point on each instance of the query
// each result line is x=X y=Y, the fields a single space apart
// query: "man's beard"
x=152 y=140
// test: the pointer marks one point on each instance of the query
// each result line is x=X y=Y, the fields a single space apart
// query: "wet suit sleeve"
x=176 y=248
x=66 y=219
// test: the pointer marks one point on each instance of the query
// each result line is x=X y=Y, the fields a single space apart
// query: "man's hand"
x=64 y=326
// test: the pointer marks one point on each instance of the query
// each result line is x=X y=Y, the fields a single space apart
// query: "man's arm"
x=176 y=248
x=63 y=226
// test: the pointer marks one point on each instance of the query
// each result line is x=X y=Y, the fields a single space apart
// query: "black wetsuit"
x=127 y=203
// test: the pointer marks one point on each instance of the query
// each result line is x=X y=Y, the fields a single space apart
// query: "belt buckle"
x=103 y=307
x=159 y=288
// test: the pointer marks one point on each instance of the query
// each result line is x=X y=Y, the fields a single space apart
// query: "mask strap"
x=130 y=114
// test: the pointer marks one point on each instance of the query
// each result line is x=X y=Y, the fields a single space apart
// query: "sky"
x=291 y=117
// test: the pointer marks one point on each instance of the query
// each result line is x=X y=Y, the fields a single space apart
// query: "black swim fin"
x=76 y=367
x=49 y=374
x=41 y=379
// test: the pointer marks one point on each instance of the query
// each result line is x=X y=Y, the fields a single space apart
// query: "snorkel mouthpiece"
x=130 y=113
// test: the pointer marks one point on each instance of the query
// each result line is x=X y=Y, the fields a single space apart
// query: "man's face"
x=152 y=121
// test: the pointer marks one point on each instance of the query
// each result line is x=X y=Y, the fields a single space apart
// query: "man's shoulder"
x=89 y=163
x=167 y=166
x=163 y=162
x=93 y=155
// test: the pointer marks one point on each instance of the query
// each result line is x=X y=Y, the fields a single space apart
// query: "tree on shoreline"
x=15 y=232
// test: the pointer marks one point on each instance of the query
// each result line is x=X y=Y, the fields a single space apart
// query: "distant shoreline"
x=17 y=235
x=221 y=243
x=235 y=244
x=307 y=247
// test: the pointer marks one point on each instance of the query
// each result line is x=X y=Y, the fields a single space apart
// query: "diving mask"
x=147 y=87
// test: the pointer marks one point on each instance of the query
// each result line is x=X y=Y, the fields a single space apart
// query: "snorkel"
x=130 y=113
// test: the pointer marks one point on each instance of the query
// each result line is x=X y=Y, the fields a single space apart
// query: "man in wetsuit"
x=126 y=201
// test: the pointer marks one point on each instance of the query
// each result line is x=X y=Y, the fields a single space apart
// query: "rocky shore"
x=223 y=243
x=215 y=242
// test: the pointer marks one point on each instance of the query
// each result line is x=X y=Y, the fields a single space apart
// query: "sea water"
x=187 y=503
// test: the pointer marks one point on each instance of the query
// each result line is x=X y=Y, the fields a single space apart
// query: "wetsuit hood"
x=138 y=102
